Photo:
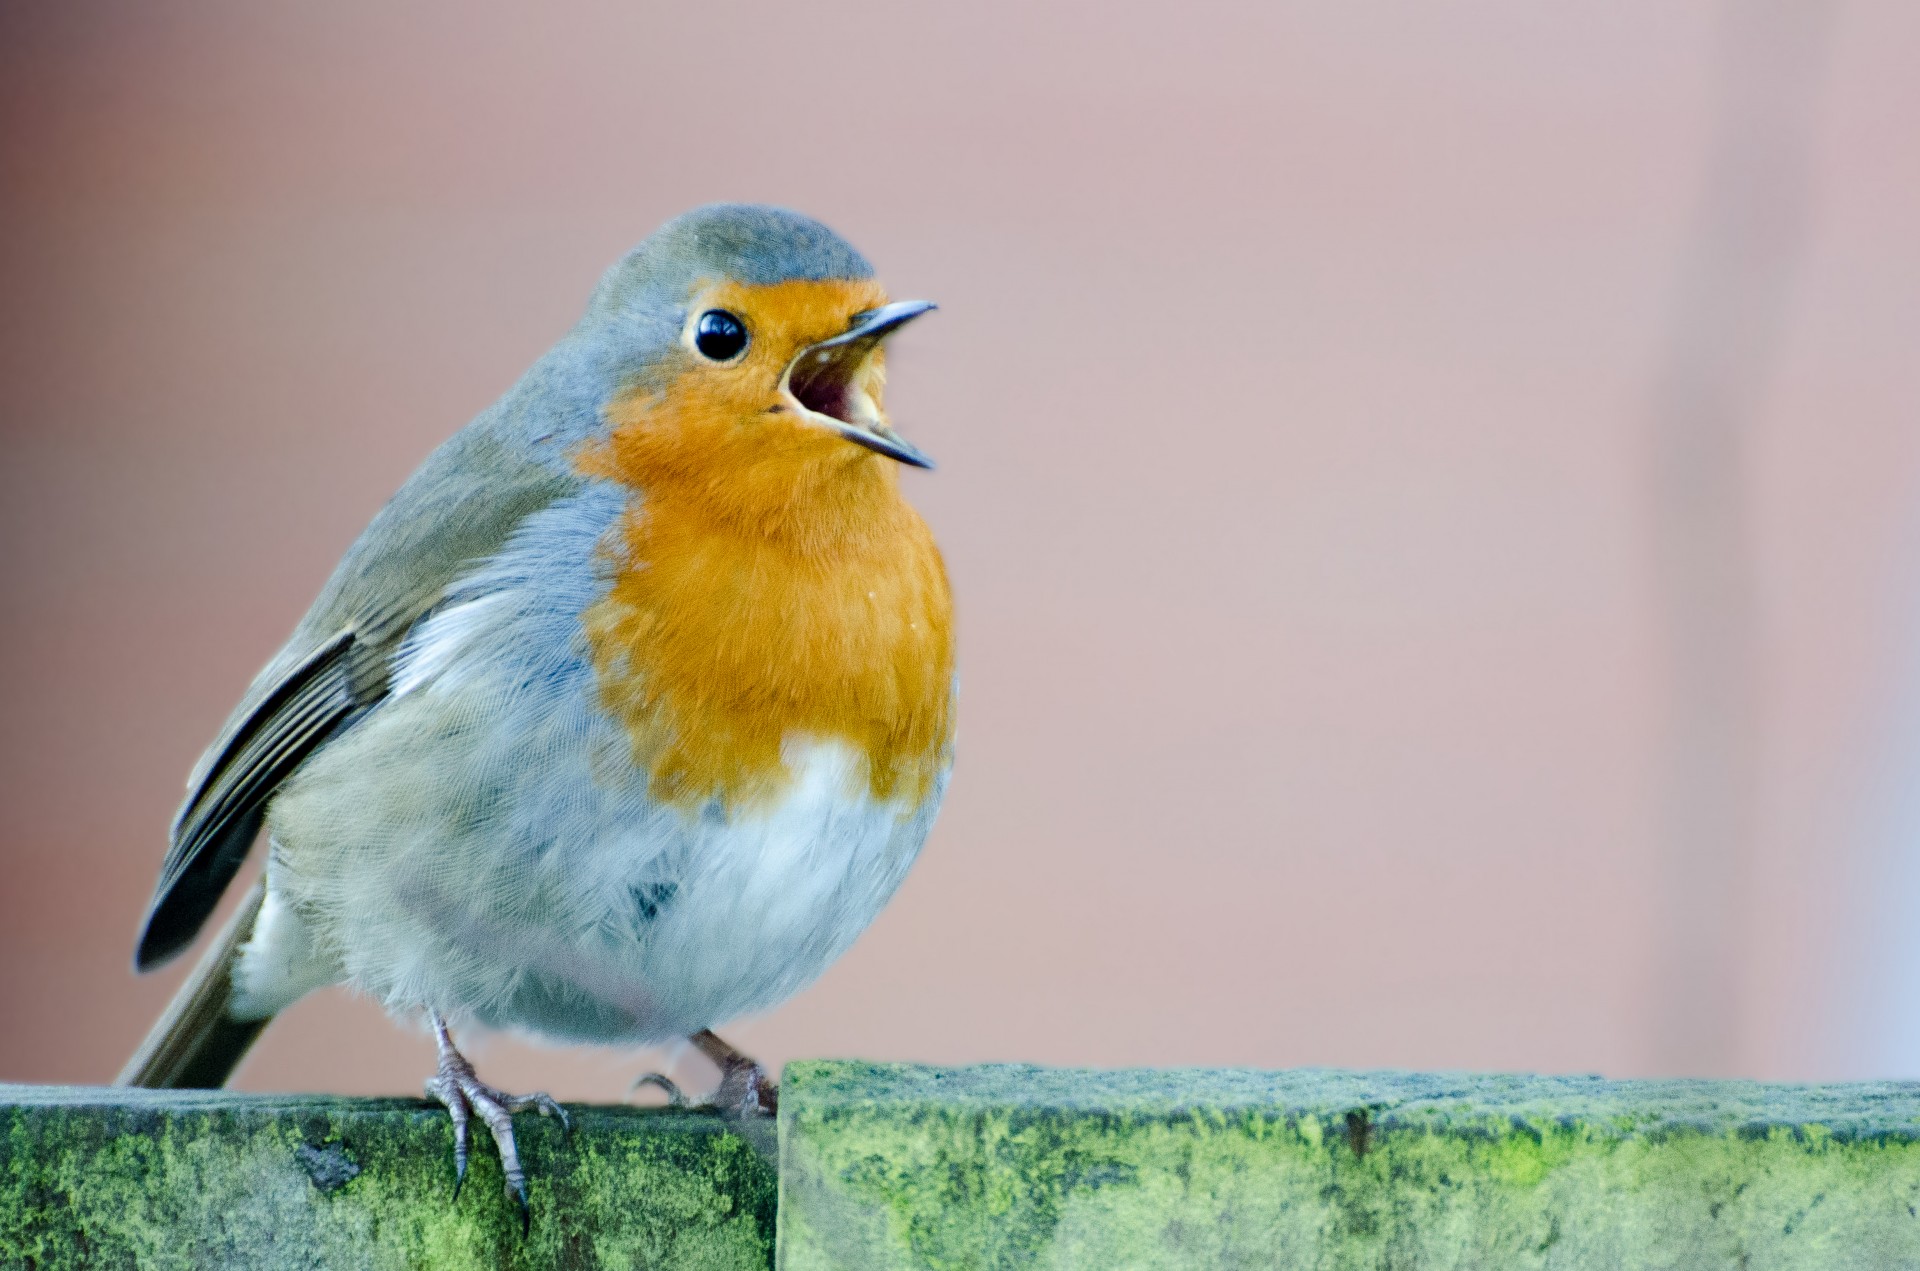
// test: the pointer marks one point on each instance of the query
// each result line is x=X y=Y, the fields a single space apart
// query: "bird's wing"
x=458 y=509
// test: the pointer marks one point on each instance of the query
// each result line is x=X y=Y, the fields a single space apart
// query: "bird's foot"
x=745 y=1088
x=748 y=1091
x=465 y=1096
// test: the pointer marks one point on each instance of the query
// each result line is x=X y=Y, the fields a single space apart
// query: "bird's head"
x=746 y=351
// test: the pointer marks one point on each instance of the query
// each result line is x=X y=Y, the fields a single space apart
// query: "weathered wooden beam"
x=890 y=1167
x=885 y=1166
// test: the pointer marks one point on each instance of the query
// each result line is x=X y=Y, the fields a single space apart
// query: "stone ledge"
x=886 y=1166
x=93 y=1177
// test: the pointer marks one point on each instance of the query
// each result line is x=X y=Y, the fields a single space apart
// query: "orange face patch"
x=771 y=583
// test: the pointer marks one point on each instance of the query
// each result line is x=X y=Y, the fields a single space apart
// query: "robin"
x=622 y=719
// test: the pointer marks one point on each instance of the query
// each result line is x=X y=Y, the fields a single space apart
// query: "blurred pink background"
x=1437 y=553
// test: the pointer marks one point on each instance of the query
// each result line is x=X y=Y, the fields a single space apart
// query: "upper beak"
x=827 y=380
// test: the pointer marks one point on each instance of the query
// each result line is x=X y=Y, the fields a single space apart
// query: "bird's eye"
x=719 y=335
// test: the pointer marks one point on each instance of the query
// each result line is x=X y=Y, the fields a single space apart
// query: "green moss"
x=889 y=1166
x=1017 y=1167
x=102 y=1178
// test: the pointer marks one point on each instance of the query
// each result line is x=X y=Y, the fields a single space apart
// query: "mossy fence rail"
x=884 y=1166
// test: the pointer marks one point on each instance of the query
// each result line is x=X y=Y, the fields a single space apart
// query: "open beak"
x=828 y=381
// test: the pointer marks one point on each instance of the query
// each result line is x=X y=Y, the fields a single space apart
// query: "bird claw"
x=465 y=1096
x=676 y=1098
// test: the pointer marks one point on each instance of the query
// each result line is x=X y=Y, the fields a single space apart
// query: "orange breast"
x=786 y=593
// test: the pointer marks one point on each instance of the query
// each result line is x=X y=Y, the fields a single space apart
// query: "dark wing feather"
x=456 y=510
x=217 y=826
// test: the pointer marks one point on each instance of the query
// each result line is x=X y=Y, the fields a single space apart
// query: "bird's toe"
x=676 y=1097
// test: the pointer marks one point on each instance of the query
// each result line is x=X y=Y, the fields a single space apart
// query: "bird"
x=621 y=720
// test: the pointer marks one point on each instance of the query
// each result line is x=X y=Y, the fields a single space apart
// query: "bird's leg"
x=465 y=1096
x=745 y=1087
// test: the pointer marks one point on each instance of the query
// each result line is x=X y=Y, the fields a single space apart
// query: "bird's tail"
x=197 y=1043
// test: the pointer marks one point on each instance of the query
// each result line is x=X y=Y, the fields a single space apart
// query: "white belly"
x=737 y=916
x=616 y=920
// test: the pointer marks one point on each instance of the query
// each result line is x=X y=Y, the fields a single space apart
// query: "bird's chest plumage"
x=717 y=647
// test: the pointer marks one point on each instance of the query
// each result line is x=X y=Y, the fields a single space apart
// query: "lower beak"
x=827 y=380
